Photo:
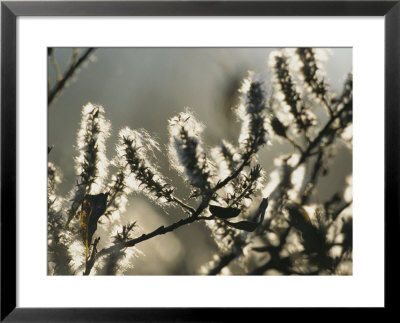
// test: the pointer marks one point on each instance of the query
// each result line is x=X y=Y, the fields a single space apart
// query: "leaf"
x=298 y=216
x=243 y=225
x=278 y=127
x=99 y=204
x=224 y=212
x=93 y=207
x=262 y=209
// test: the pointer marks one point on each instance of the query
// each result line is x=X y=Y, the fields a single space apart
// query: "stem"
x=225 y=261
x=56 y=68
x=91 y=260
x=328 y=106
x=313 y=178
x=318 y=138
x=68 y=74
x=159 y=231
x=236 y=172
x=240 y=196
x=294 y=144
x=181 y=203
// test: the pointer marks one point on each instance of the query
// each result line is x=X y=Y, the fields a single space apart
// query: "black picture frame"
x=10 y=10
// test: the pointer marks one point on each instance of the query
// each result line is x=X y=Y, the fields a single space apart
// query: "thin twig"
x=159 y=231
x=294 y=144
x=183 y=204
x=318 y=138
x=313 y=178
x=236 y=172
x=224 y=261
x=68 y=74
x=91 y=260
x=328 y=106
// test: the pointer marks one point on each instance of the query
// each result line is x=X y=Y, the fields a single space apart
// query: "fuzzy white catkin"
x=186 y=151
x=89 y=122
x=141 y=147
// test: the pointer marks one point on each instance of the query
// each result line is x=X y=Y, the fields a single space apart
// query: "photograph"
x=199 y=161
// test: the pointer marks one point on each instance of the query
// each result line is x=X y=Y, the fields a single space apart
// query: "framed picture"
x=172 y=141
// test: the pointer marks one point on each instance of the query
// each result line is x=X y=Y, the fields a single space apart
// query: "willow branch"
x=319 y=137
x=163 y=230
x=294 y=144
x=236 y=172
x=183 y=204
x=59 y=86
x=159 y=231
x=328 y=106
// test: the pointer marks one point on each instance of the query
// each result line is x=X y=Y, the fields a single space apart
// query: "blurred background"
x=143 y=88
